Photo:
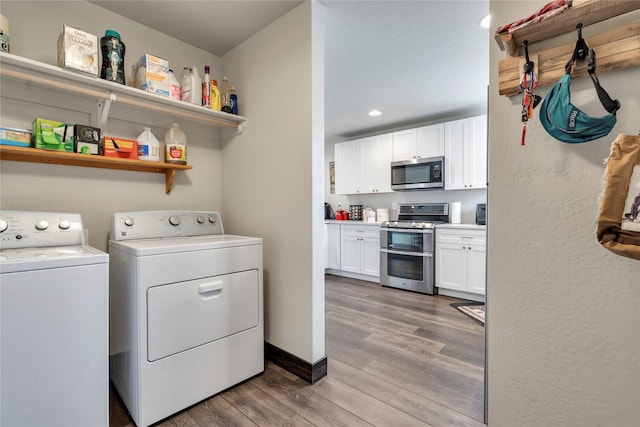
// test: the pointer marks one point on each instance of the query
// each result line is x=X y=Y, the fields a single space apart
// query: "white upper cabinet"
x=375 y=164
x=405 y=144
x=478 y=152
x=431 y=141
x=363 y=165
x=420 y=143
x=347 y=167
x=466 y=153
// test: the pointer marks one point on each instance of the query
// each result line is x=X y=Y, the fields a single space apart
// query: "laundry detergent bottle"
x=148 y=146
x=175 y=141
x=191 y=85
x=215 y=96
x=112 y=57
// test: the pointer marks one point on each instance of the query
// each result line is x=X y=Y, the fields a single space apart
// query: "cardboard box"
x=151 y=73
x=87 y=139
x=78 y=50
x=119 y=147
x=52 y=135
x=15 y=137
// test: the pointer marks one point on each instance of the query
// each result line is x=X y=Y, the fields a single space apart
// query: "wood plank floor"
x=395 y=358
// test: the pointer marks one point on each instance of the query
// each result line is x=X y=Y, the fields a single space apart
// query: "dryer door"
x=185 y=315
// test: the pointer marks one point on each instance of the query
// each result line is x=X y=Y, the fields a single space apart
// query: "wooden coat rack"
x=616 y=49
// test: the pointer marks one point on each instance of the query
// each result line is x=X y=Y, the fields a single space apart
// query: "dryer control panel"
x=31 y=229
x=161 y=224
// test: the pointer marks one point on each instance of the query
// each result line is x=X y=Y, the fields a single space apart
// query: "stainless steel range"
x=407 y=247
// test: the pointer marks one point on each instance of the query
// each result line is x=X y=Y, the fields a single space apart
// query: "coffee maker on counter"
x=328 y=211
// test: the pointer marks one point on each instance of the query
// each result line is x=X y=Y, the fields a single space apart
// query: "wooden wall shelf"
x=586 y=12
x=34 y=155
x=615 y=50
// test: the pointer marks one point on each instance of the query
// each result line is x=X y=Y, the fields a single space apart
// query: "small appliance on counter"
x=328 y=211
x=481 y=214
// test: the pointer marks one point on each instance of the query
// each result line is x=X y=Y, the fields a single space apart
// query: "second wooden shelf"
x=33 y=155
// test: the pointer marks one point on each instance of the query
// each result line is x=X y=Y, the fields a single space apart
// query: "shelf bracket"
x=170 y=174
x=103 y=106
x=241 y=128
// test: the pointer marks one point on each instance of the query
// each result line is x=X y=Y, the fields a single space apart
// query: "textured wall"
x=563 y=313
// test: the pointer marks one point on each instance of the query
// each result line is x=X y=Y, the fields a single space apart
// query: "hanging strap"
x=579 y=51
x=611 y=105
x=582 y=51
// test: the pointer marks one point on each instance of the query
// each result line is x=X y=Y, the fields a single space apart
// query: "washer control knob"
x=128 y=221
x=3 y=225
x=212 y=219
x=200 y=219
x=64 y=224
x=174 y=220
x=42 y=225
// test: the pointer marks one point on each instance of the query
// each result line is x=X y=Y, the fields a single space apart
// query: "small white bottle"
x=148 y=146
x=191 y=85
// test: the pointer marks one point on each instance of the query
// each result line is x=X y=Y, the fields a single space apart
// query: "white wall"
x=97 y=193
x=272 y=178
x=563 y=316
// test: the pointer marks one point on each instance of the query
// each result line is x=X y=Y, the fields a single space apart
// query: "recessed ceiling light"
x=486 y=22
x=374 y=113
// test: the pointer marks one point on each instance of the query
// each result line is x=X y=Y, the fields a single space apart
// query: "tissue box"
x=16 y=137
x=119 y=147
x=87 y=139
x=151 y=73
x=78 y=50
x=52 y=135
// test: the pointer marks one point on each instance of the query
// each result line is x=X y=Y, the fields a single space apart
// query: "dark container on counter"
x=112 y=57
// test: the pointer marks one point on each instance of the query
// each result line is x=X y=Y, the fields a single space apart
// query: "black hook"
x=528 y=64
x=581 y=46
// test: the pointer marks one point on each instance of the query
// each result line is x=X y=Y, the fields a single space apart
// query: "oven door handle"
x=424 y=254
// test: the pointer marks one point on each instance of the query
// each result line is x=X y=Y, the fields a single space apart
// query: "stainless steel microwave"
x=418 y=174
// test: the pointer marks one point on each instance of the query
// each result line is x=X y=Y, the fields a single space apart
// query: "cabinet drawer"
x=360 y=231
x=474 y=237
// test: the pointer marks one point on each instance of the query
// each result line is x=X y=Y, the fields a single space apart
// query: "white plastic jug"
x=148 y=146
x=175 y=141
x=191 y=85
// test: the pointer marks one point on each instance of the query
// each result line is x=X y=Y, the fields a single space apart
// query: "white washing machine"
x=186 y=310
x=54 y=320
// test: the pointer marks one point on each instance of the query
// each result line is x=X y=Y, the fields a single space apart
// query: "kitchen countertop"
x=464 y=226
x=350 y=222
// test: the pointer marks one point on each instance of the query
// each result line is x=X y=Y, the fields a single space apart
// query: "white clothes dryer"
x=54 y=339
x=186 y=310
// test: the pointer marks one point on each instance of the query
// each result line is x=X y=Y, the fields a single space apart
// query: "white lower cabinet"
x=353 y=250
x=360 y=249
x=332 y=242
x=461 y=260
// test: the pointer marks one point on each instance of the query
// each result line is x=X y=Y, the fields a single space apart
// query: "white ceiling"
x=415 y=61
